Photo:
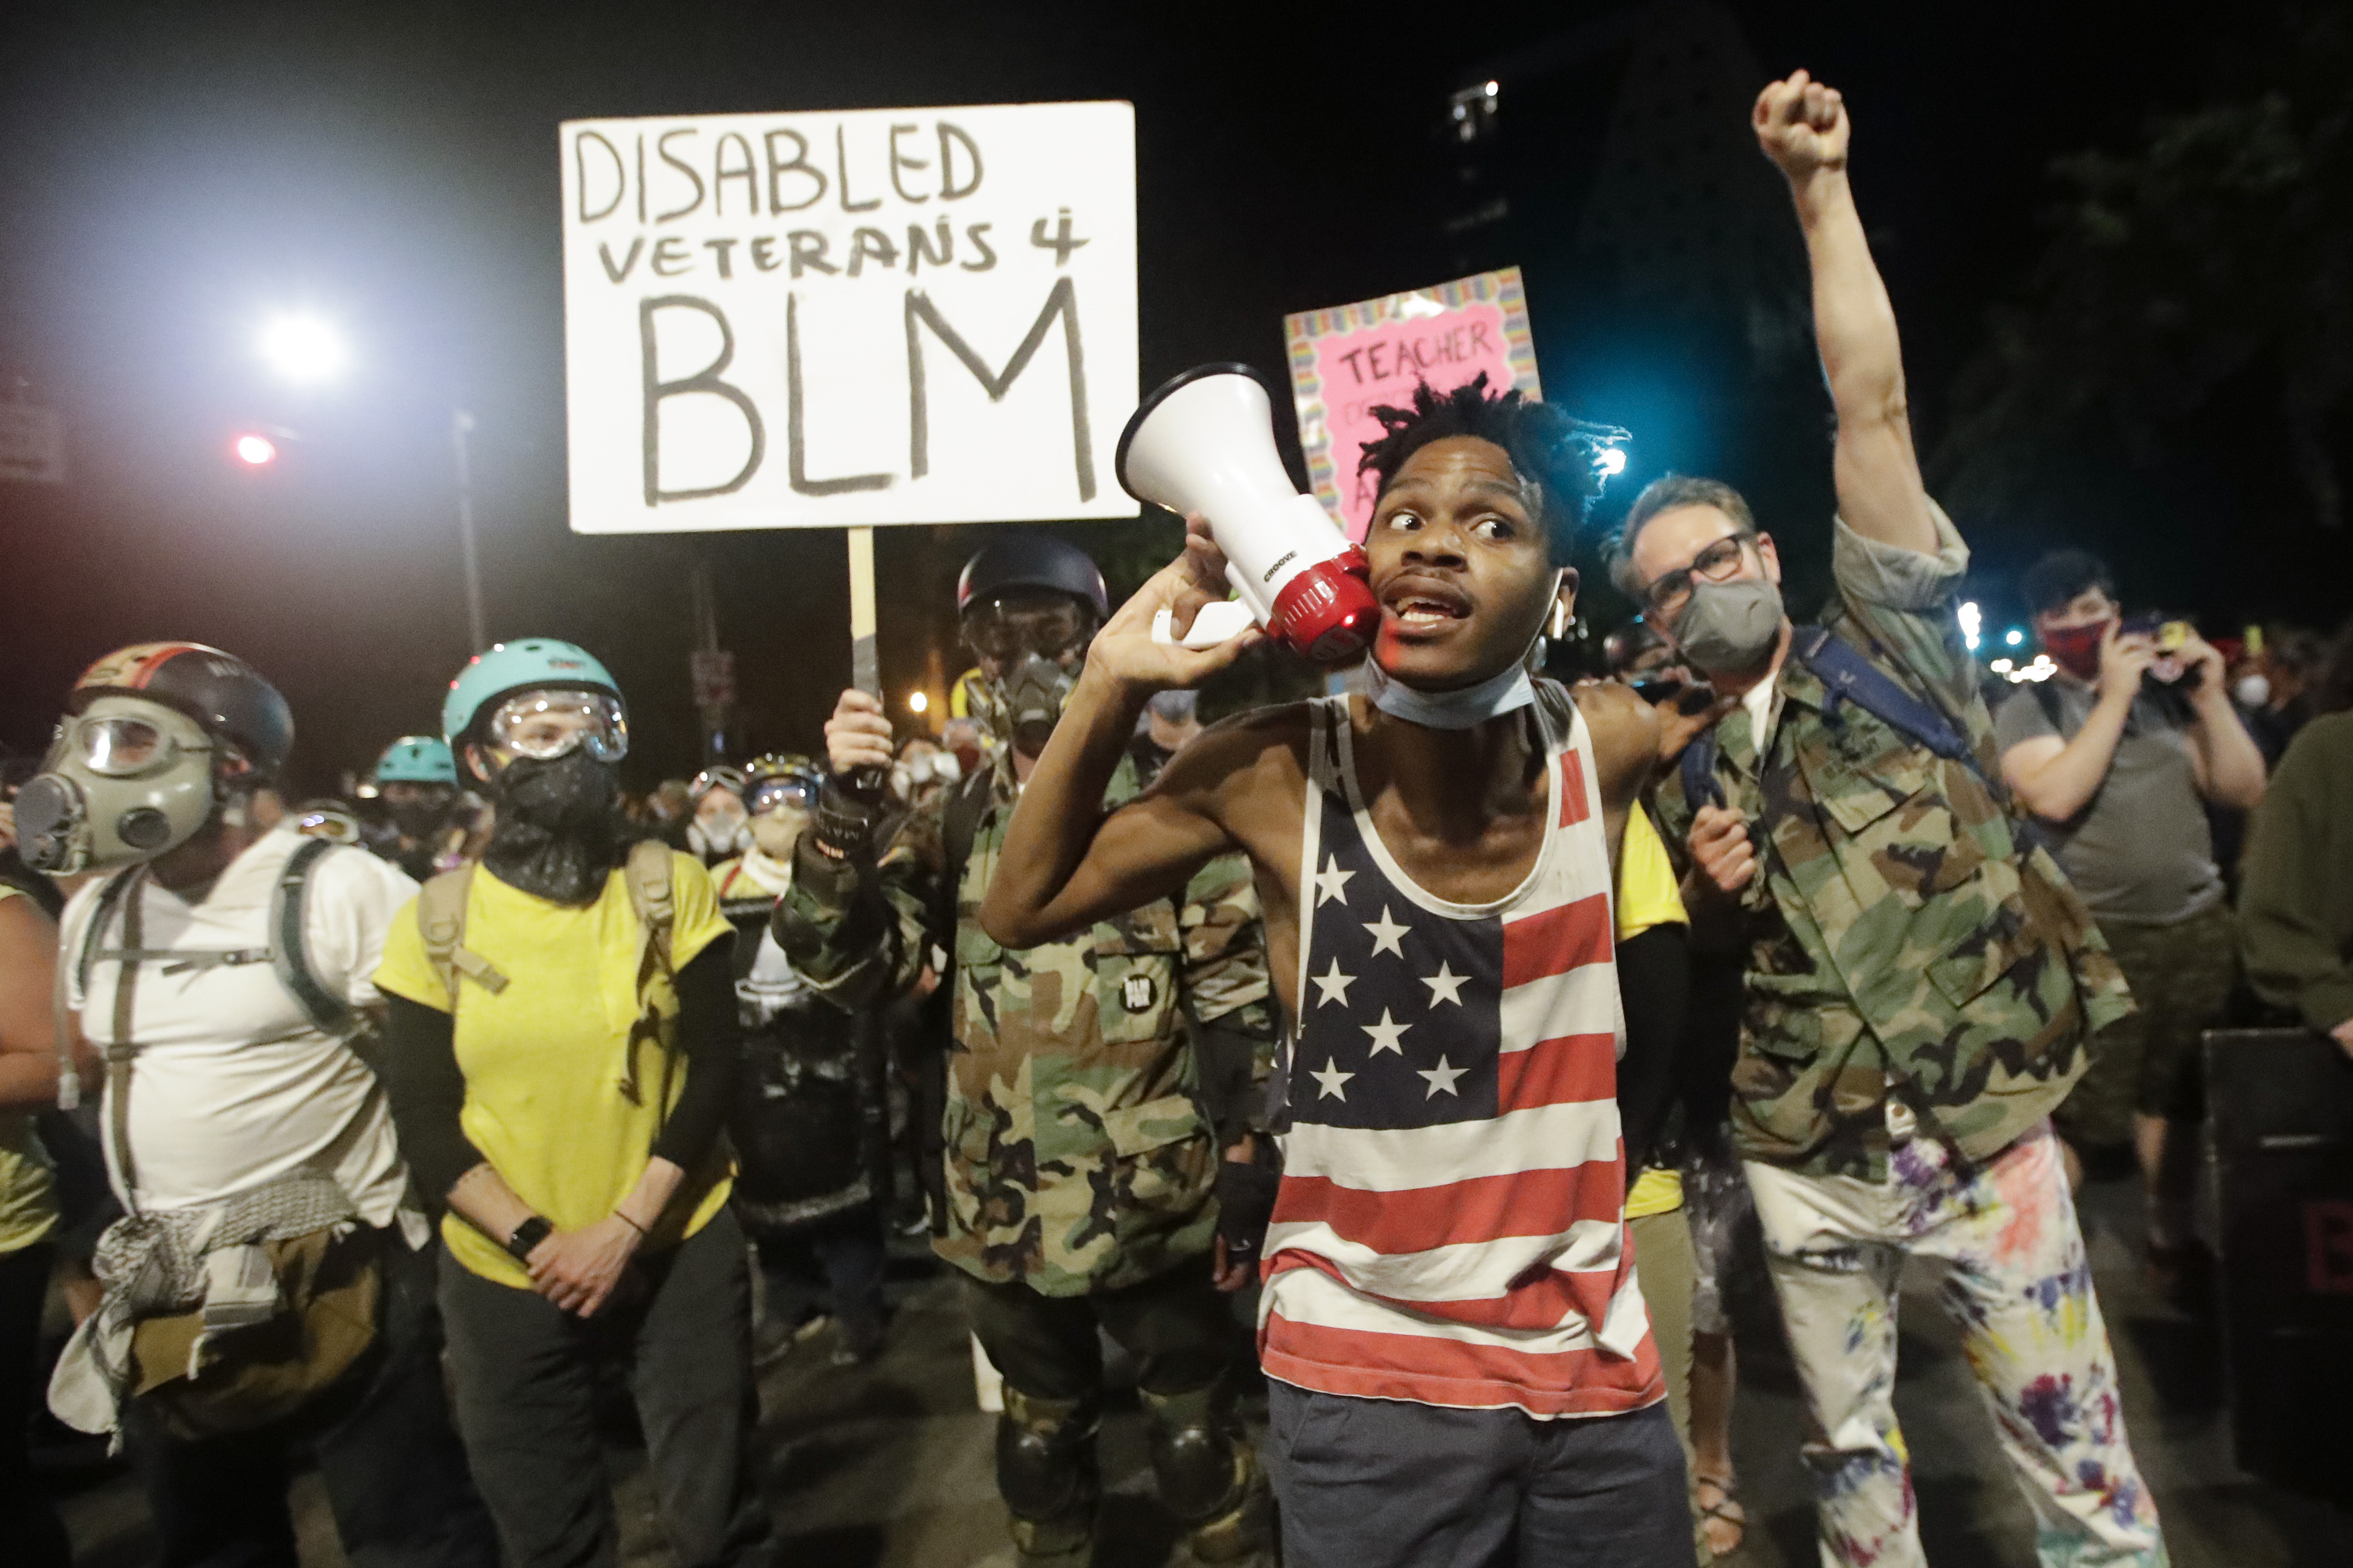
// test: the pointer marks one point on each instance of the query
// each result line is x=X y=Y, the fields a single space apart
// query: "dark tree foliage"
x=2211 y=264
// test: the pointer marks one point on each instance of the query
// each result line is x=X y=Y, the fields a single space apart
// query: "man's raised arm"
x=1802 y=127
x=1065 y=865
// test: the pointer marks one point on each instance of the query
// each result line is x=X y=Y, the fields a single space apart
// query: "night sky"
x=169 y=174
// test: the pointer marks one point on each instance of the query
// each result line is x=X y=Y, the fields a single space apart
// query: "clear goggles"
x=545 y=725
x=118 y=746
x=784 y=790
x=709 y=779
x=1048 y=625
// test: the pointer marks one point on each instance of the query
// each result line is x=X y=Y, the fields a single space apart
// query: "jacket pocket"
x=1139 y=1129
x=1998 y=939
x=1135 y=961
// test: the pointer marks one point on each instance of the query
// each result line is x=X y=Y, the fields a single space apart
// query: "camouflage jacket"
x=1080 y=1156
x=1903 y=945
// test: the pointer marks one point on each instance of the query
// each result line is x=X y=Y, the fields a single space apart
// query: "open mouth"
x=1422 y=605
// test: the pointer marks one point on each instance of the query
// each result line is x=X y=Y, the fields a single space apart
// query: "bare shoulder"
x=1625 y=736
x=1260 y=744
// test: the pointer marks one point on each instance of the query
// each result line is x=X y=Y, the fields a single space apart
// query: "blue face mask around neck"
x=1499 y=694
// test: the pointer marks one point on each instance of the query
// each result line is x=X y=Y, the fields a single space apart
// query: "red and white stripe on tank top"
x=1450 y=1225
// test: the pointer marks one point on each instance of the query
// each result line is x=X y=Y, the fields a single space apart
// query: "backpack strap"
x=289 y=952
x=959 y=829
x=1850 y=677
x=2048 y=700
x=441 y=921
x=649 y=874
x=1698 y=769
x=110 y=894
x=121 y=1048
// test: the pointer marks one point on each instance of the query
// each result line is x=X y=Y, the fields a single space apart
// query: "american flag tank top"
x=1449 y=1229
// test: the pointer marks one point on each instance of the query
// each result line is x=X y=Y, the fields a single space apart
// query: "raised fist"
x=1801 y=125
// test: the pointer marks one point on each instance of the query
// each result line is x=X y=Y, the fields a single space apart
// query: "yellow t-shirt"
x=28 y=1199
x=1648 y=896
x=546 y=1059
x=1648 y=893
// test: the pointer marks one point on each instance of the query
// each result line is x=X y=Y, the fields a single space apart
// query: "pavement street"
x=889 y=1466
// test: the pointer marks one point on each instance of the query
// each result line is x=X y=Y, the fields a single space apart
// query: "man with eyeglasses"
x=562 y=1054
x=1922 y=978
x=1085 y=1132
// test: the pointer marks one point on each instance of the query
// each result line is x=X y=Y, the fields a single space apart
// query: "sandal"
x=1723 y=1522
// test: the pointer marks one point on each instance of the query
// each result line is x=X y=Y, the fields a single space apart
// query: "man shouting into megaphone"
x=1446 y=1278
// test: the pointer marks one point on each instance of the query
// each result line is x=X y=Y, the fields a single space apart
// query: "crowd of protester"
x=390 y=1129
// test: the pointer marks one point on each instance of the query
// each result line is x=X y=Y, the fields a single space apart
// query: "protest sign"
x=1351 y=359
x=884 y=316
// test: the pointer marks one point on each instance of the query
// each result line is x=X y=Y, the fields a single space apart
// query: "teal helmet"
x=527 y=664
x=417 y=759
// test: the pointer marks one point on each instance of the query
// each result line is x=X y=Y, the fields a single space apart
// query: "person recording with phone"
x=2118 y=754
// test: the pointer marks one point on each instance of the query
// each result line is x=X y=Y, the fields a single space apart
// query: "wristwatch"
x=527 y=1236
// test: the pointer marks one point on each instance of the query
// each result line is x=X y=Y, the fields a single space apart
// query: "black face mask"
x=419 y=818
x=557 y=834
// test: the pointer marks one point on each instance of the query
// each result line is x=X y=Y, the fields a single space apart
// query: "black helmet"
x=218 y=690
x=1029 y=560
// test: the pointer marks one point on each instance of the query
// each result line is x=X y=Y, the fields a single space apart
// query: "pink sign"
x=1351 y=359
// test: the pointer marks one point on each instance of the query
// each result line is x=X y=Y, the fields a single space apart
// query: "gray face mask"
x=1730 y=626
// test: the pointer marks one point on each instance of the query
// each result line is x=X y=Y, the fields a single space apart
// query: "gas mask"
x=720 y=827
x=1730 y=626
x=126 y=780
x=1035 y=647
x=911 y=777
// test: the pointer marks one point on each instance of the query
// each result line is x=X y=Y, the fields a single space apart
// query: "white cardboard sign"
x=820 y=321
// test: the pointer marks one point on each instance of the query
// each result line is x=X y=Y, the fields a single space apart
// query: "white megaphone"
x=1205 y=443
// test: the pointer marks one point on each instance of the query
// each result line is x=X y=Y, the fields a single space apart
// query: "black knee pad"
x=1046 y=1469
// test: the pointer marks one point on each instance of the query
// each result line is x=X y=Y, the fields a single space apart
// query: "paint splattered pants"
x=2021 y=1290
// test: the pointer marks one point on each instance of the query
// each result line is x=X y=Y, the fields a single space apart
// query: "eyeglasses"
x=545 y=725
x=1002 y=632
x=122 y=747
x=1719 y=563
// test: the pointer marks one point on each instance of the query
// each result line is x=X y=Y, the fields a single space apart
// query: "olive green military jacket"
x=1903 y=944
x=1079 y=1154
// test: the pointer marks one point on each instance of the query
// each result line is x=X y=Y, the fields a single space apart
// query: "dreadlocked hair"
x=1546 y=446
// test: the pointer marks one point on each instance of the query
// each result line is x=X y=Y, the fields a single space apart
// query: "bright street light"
x=255 y=451
x=1611 y=462
x=303 y=349
x=918 y=700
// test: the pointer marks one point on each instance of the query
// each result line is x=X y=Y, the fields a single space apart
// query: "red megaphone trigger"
x=1328 y=613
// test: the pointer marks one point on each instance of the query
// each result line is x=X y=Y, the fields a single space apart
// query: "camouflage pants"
x=2020 y=1287
x=2147 y=1062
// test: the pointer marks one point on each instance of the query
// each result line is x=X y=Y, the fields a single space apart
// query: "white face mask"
x=2252 y=691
